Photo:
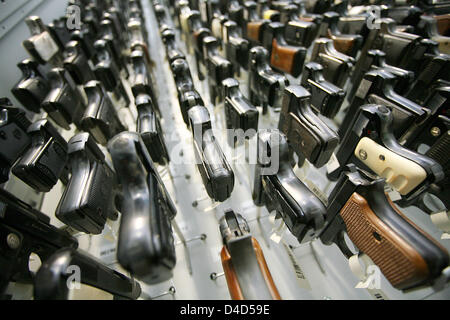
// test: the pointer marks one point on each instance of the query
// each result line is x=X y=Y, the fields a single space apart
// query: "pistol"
x=378 y=87
x=138 y=36
x=216 y=173
x=240 y=113
x=14 y=136
x=348 y=44
x=252 y=25
x=244 y=265
x=172 y=51
x=58 y=30
x=51 y=280
x=25 y=231
x=236 y=47
x=264 y=11
x=100 y=119
x=218 y=67
x=109 y=35
x=64 y=103
x=188 y=97
x=308 y=135
x=283 y=56
x=265 y=86
x=427 y=27
x=89 y=198
x=297 y=31
x=326 y=98
x=406 y=255
x=41 y=45
x=198 y=33
x=146 y=244
x=45 y=162
x=149 y=128
x=337 y=66
x=77 y=64
x=235 y=10
x=86 y=37
x=107 y=71
x=278 y=188
x=32 y=89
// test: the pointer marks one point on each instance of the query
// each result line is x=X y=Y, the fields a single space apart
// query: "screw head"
x=435 y=132
x=13 y=241
x=382 y=157
x=363 y=154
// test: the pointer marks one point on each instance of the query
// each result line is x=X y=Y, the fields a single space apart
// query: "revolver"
x=51 y=280
x=45 y=162
x=89 y=198
x=244 y=265
x=100 y=119
x=326 y=98
x=265 y=86
x=32 y=89
x=25 y=231
x=64 y=102
x=307 y=134
x=240 y=113
x=146 y=244
x=278 y=188
x=14 y=139
x=216 y=173
x=406 y=255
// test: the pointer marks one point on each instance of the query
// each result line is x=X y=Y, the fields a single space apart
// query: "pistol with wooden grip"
x=326 y=98
x=51 y=280
x=100 y=118
x=32 y=89
x=188 y=96
x=278 y=188
x=265 y=85
x=284 y=57
x=15 y=139
x=217 y=175
x=297 y=31
x=307 y=134
x=149 y=128
x=240 y=113
x=45 y=162
x=359 y=206
x=90 y=196
x=146 y=245
x=244 y=265
x=29 y=231
x=253 y=25
x=337 y=66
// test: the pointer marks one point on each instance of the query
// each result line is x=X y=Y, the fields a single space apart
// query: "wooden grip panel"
x=253 y=30
x=401 y=264
x=283 y=57
x=232 y=280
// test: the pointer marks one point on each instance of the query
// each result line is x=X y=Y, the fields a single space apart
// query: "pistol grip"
x=232 y=278
x=287 y=58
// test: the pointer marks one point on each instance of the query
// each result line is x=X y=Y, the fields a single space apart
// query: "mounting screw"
x=363 y=154
x=13 y=241
x=435 y=132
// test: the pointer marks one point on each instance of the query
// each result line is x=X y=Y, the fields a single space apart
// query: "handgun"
x=31 y=90
x=149 y=128
x=90 y=196
x=76 y=62
x=427 y=27
x=110 y=35
x=188 y=97
x=235 y=10
x=146 y=245
x=297 y=31
x=371 y=144
x=172 y=51
x=337 y=66
x=240 y=113
x=244 y=265
x=86 y=37
x=45 y=162
x=377 y=87
x=218 y=67
x=41 y=45
x=406 y=255
x=405 y=14
x=138 y=36
x=348 y=44
x=265 y=86
x=25 y=231
x=14 y=138
x=52 y=278
x=197 y=33
x=326 y=98
x=100 y=119
x=278 y=188
x=284 y=57
x=107 y=71
x=142 y=82
x=236 y=47
x=64 y=103
x=216 y=173
x=252 y=25
x=265 y=12
x=58 y=30
x=306 y=133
